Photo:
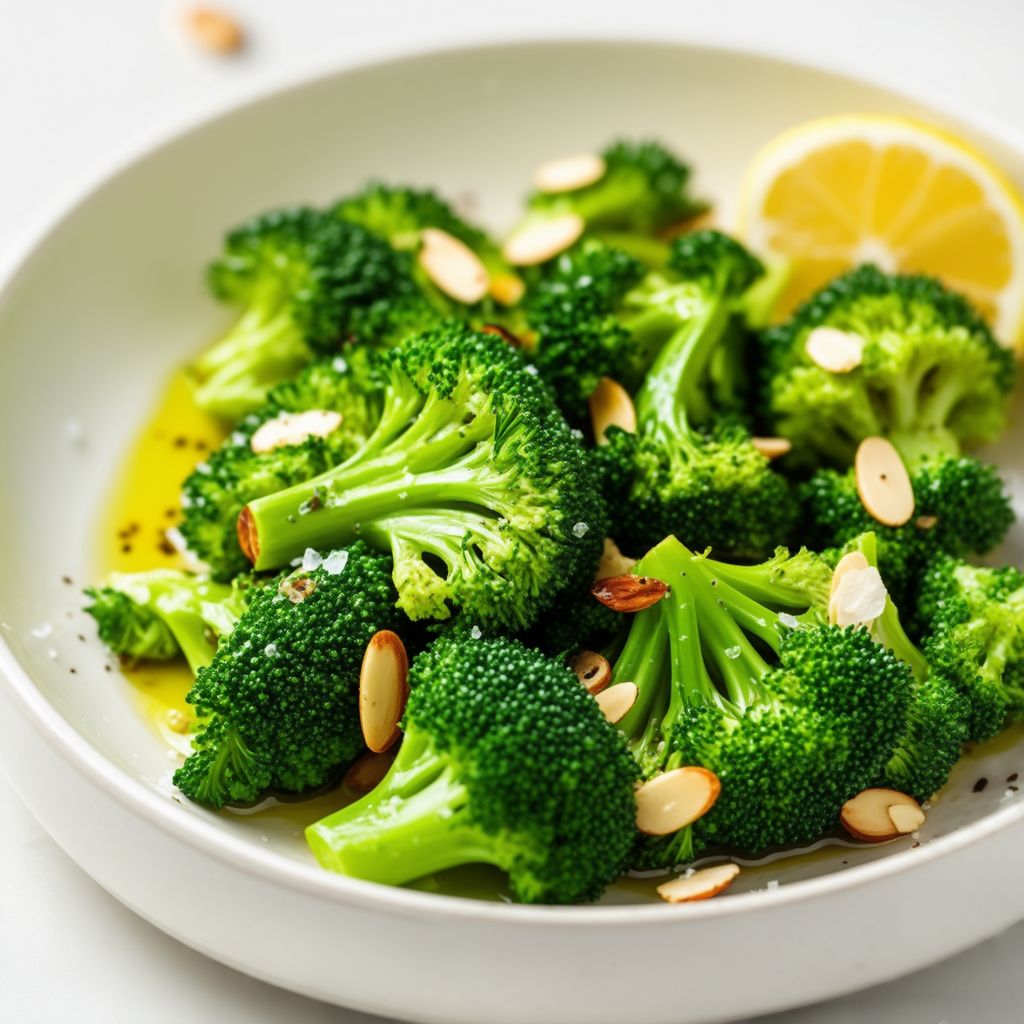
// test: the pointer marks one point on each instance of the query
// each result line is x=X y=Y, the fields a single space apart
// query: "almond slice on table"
x=613 y=562
x=834 y=350
x=611 y=406
x=883 y=482
x=772 y=447
x=367 y=771
x=701 y=885
x=538 y=242
x=383 y=689
x=617 y=701
x=214 y=30
x=568 y=173
x=453 y=266
x=878 y=815
x=289 y=428
x=592 y=670
x=675 y=799
x=629 y=593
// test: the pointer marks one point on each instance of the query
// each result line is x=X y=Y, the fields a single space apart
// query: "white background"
x=82 y=81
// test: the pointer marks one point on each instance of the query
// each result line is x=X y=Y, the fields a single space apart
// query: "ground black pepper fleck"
x=980 y=785
x=180 y=442
x=126 y=548
x=1013 y=777
x=68 y=580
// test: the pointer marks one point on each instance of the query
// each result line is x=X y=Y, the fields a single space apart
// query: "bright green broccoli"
x=506 y=760
x=738 y=671
x=471 y=479
x=975 y=633
x=278 y=705
x=163 y=613
x=219 y=488
x=306 y=283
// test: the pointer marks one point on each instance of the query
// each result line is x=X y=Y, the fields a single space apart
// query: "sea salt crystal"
x=476 y=632
x=580 y=529
x=51 y=653
x=532 y=369
x=203 y=467
x=311 y=560
x=43 y=631
x=773 y=884
x=732 y=652
x=270 y=650
x=335 y=563
x=788 y=620
x=339 y=365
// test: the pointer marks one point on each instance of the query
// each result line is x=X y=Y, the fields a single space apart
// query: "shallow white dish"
x=91 y=322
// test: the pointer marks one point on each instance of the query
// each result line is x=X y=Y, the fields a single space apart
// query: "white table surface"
x=81 y=82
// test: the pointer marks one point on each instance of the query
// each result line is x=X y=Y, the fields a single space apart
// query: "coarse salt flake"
x=476 y=632
x=580 y=529
x=311 y=559
x=270 y=650
x=335 y=563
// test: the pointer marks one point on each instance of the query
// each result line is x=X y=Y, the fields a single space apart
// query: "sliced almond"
x=617 y=701
x=569 y=173
x=453 y=266
x=507 y=289
x=629 y=593
x=248 y=534
x=834 y=350
x=701 y=885
x=383 y=689
x=613 y=561
x=878 y=815
x=592 y=670
x=772 y=447
x=671 y=801
x=926 y=522
x=859 y=598
x=214 y=30
x=883 y=482
x=367 y=771
x=537 y=242
x=611 y=406
x=288 y=428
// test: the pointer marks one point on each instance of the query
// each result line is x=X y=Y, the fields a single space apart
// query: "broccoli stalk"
x=506 y=760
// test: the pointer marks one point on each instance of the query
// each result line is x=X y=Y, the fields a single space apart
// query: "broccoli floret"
x=506 y=760
x=737 y=671
x=217 y=491
x=471 y=479
x=932 y=376
x=693 y=469
x=278 y=705
x=163 y=613
x=306 y=283
x=975 y=633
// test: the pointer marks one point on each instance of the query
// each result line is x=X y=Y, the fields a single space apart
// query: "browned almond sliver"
x=611 y=406
x=214 y=30
x=878 y=815
x=569 y=173
x=366 y=772
x=617 y=700
x=512 y=340
x=289 y=428
x=613 y=561
x=453 y=266
x=701 y=885
x=671 y=801
x=834 y=350
x=383 y=689
x=926 y=522
x=248 y=535
x=772 y=447
x=507 y=289
x=592 y=670
x=629 y=593
x=883 y=482
x=540 y=241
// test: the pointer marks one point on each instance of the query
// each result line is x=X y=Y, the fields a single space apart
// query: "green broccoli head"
x=306 y=283
x=471 y=479
x=932 y=376
x=975 y=634
x=506 y=760
x=217 y=491
x=278 y=705
x=737 y=671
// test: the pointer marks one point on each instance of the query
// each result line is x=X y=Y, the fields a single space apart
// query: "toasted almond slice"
x=859 y=598
x=878 y=815
x=383 y=689
x=675 y=799
x=629 y=593
x=617 y=700
x=701 y=885
x=569 y=173
x=453 y=266
x=834 y=350
x=592 y=670
x=883 y=482
x=772 y=447
x=288 y=428
x=366 y=772
x=613 y=561
x=611 y=406
x=538 y=242
x=507 y=289
x=214 y=30
x=926 y=522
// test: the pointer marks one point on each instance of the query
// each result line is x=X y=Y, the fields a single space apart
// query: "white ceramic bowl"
x=109 y=300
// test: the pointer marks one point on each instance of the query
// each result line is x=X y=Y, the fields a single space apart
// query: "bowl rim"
x=272 y=868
